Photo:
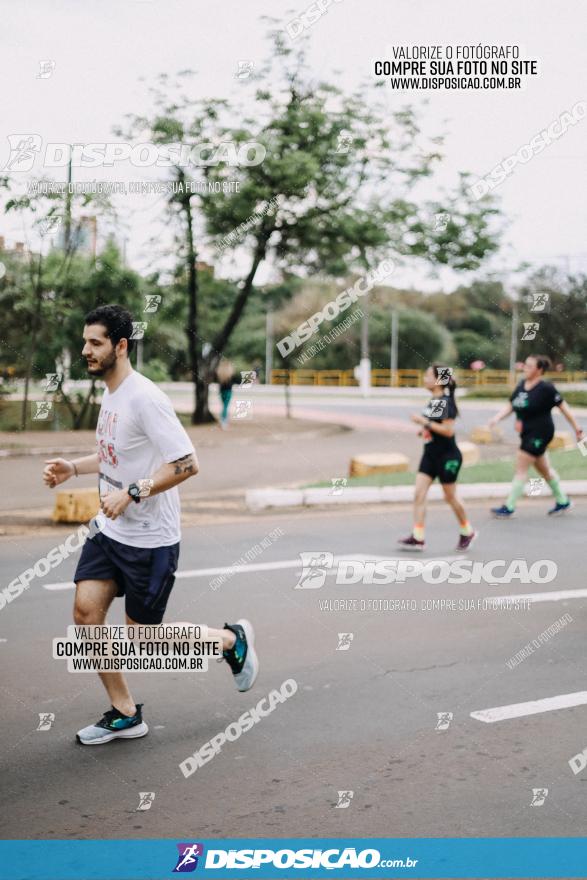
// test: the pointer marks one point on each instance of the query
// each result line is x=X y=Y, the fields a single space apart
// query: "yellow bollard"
x=76 y=505
x=561 y=440
x=470 y=453
x=485 y=434
x=378 y=463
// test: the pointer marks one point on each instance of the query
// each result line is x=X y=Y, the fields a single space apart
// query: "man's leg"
x=92 y=601
x=226 y=636
x=238 y=647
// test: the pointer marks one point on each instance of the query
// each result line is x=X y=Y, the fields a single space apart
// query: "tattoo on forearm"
x=185 y=465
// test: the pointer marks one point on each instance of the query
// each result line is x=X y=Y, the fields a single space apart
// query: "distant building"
x=19 y=249
x=84 y=236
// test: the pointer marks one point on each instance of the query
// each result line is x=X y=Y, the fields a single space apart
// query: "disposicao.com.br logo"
x=316 y=566
x=329 y=859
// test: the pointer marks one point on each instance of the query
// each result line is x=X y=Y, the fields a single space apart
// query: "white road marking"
x=533 y=707
x=554 y=596
x=275 y=566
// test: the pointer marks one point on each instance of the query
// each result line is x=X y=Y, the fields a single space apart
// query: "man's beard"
x=104 y=366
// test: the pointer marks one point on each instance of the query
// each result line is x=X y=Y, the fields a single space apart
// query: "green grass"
x=574 y=398
x=10 y=411
x=569 y=465
x=488 y=393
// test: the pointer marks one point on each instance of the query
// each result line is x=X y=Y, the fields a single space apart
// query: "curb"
x=42 y=450
x=260 y=499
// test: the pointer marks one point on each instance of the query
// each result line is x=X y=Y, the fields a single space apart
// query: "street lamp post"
x=394 y=345
x=514 y=340
x=364 y=372
x=268 y=346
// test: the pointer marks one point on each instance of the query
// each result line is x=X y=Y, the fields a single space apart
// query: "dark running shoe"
x=242 y=657
x=560 y=508
x=114 y=725
x=502 y=512
x=411 y=543
x=465 y=541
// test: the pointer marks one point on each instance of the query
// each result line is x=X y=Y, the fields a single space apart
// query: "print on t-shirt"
x=105 y=437
x=137 y=432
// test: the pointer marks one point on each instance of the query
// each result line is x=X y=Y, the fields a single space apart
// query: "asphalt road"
x=362 y=720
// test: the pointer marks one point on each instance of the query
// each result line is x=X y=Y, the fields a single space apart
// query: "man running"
x=143 y=454
x=532 y=401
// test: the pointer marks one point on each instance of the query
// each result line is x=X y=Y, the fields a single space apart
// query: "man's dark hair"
x=117 y=321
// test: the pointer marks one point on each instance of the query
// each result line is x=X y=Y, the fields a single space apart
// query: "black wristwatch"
x=134 y=492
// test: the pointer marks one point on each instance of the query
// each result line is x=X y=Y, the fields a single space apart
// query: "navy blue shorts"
x=143 y=576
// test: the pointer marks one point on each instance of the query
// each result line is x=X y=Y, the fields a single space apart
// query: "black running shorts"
x=445 y=465
x=535 y=443
x=143 y=576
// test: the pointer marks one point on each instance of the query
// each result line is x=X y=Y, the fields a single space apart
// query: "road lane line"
x=533 y=707
x=274 y=566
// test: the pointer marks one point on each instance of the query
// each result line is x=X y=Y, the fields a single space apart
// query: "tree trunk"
x=208 y=364
x=29 y=370
x=201 y=413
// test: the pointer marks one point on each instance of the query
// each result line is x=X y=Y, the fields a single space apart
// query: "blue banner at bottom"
x=293 y=857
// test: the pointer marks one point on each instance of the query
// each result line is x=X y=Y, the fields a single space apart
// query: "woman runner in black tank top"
x=441 y=457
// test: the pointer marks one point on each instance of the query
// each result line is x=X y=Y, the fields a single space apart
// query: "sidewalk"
x=265 y=499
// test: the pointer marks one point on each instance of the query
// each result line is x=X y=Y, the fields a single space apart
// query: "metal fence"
x=407 y=378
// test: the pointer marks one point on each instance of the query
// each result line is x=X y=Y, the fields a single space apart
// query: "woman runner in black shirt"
x=532 y=401
x=442 y=457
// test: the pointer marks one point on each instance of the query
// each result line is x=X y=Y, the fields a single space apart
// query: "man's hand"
x=419 y=420
x=115 y=503
x=56 y=471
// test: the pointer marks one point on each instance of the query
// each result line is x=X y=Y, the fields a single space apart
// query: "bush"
x=155 y=370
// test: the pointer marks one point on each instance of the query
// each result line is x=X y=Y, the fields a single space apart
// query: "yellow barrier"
x=410 y=378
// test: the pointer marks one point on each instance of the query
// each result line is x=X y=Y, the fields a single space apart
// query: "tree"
x=562 y=329
x=48 y=292
x=422 y=341
x=472 y=346
x=39 y=285
x=312 y=205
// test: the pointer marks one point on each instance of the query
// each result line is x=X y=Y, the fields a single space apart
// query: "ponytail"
x=446 y=376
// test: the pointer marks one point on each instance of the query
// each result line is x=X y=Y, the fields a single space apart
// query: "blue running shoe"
x=242 y=657
x=114 y=725
x=502 y=512
x=560 y=508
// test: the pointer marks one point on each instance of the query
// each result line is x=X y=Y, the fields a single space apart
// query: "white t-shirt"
x=137 y=432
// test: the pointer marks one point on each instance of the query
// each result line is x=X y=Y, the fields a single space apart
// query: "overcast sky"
x=101 y=50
